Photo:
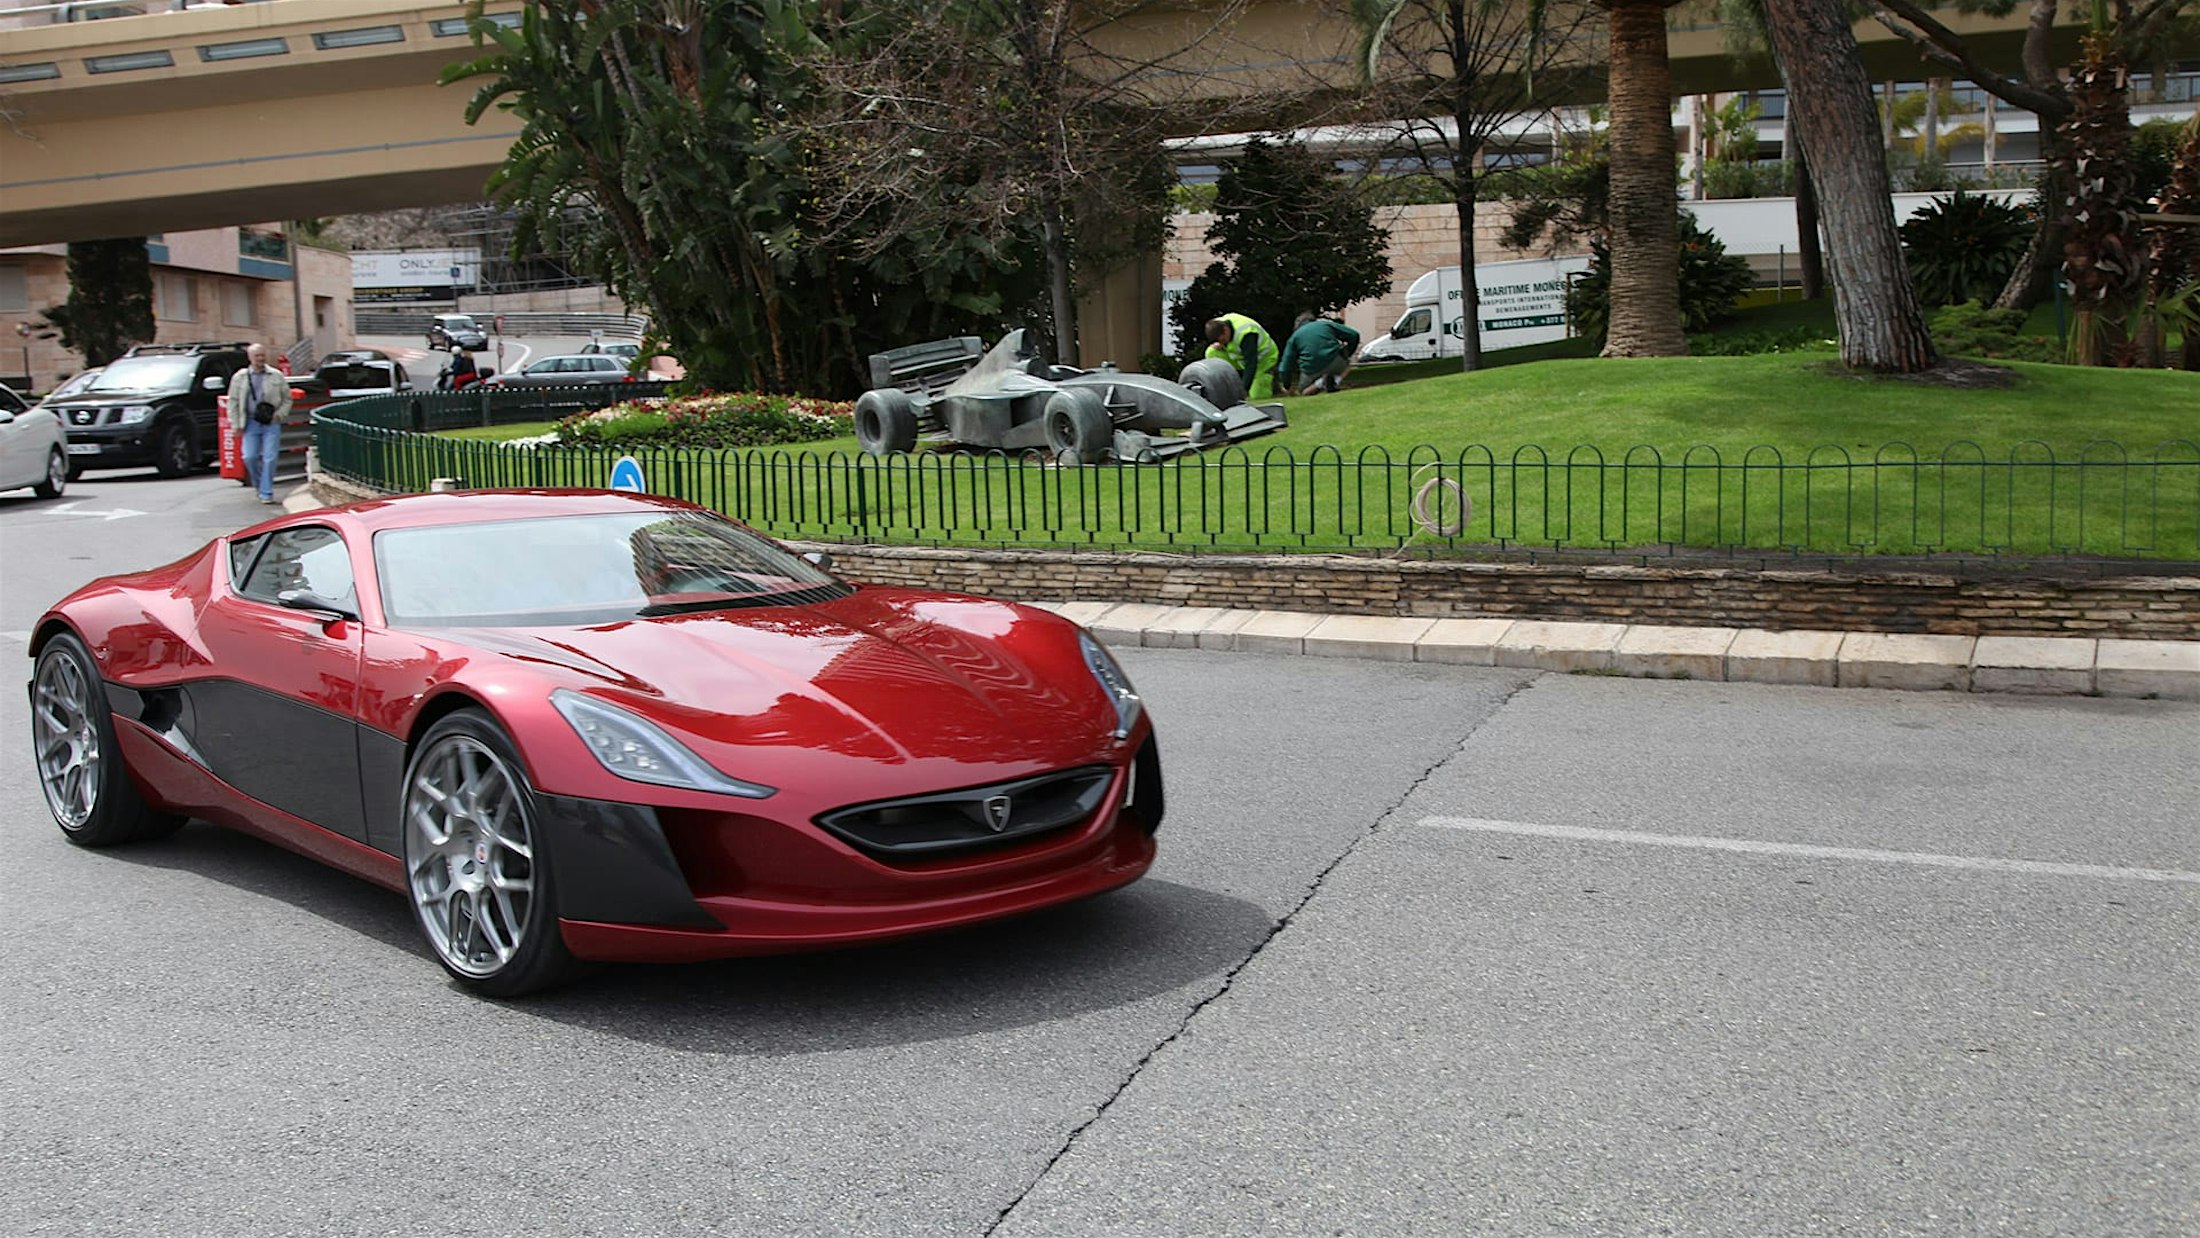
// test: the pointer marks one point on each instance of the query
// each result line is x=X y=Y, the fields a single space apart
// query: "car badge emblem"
x=997 y=808
x=83 y=416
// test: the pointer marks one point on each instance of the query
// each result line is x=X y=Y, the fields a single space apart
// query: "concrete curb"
x=2166 y=670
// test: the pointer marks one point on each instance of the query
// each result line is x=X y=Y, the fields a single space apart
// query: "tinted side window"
x=1414 y=323
x=11 y=402
x=240 y=559
x=312 y=558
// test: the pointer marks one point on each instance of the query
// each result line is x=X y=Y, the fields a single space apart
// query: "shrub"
x=743 y=419
x=1754 y=343
x=1711 y=282
x=1963 y=247
x=1972 y=330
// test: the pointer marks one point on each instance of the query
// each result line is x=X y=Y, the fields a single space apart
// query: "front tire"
x=80 y=768
x=175 y=453
x=58 y=477
x=886 y=421
x=476 y=873
x=1077 y=425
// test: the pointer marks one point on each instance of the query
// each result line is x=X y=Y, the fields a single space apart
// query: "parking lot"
x=1429 y=950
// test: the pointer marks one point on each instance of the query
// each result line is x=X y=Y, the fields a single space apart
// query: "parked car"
x=155 y=405
x=582 y=724
x=447 y=331
x=351 y=376
x=71 y=386
x=624 y=350
x=33 y=448
x=576 y=370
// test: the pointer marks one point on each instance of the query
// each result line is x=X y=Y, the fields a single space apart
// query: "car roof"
x=481 y=507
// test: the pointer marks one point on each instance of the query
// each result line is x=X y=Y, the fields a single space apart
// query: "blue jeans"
x=260 y=444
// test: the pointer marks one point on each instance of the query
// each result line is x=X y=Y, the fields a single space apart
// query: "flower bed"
x=741 y=419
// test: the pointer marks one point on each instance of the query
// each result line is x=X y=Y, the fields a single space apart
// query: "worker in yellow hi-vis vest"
x=1248 y=347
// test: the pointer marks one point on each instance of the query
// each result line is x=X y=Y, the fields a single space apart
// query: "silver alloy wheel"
x=65 y=739
x=469 y=855
x=57 y=472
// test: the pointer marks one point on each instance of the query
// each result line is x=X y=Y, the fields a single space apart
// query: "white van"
x=1520 y=302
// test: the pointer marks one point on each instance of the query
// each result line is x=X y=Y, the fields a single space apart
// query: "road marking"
x=77 y=508
x=20 y=638
x=1756 y=847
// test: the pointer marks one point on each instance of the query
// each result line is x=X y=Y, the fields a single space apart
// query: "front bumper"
x=117 y=447
x=639 y=884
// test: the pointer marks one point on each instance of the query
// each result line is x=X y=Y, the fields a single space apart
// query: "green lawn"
x=1774 y=452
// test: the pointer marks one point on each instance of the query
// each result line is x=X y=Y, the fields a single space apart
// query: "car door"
x=22 y=448
x=279 y=719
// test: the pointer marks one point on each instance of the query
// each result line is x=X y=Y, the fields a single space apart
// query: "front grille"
x=975 y=817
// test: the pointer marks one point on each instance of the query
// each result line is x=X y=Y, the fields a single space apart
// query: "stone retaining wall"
x=2130 y=607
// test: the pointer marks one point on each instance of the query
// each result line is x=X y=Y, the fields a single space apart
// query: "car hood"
x=104 y=399
x=881 y=675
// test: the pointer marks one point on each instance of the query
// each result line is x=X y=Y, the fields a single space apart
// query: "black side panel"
x=612 y=865
x=381 y=786
x=281 y=751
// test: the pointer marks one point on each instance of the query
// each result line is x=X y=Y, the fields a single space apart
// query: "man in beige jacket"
x=259 y=403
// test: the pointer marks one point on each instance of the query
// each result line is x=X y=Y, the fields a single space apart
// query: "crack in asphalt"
x=1229 y=978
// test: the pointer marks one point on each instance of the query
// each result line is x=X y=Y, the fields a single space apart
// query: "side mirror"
x=818 y=558
x=308 y=600
x=211 y=383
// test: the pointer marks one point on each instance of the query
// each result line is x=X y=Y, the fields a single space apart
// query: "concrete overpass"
x=294 y=109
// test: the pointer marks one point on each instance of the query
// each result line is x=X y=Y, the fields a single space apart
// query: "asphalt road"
x=1429 y=950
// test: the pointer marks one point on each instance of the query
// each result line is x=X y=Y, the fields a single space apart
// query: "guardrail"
x=516 y=322
x=2098 y=500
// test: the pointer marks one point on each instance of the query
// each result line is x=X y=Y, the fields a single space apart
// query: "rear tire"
x=80 y=769
x=477 y=872
x=886 y=421
x=58 y=477
x=1077 y=425
x=1215 y=380
x=174 y=453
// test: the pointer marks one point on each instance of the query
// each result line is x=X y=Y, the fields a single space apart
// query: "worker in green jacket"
x=1248 y=347
x=1318 y=355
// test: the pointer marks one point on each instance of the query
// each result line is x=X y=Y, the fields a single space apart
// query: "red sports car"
x=586 y=725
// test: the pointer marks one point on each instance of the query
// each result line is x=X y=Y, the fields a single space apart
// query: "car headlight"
x=1115 y=683
x=136 y=413
x=638 y=750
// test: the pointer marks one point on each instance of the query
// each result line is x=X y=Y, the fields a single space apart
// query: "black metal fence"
x=2099 y=499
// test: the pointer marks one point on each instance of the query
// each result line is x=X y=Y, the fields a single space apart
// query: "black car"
x=447 y=331
x=155 y=405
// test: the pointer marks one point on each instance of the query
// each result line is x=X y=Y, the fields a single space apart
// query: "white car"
x=33 y=447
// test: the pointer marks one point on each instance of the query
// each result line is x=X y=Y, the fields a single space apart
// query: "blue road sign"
x=626 y=474
x=457 y=273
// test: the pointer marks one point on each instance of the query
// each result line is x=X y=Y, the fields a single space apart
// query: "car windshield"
x=458 y=322
x=74 y=385
x=146 y=374
x=571 y=570
x=358 y=374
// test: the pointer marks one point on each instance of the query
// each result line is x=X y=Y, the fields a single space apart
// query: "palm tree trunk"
x=1829 y=104
x=1646 y=293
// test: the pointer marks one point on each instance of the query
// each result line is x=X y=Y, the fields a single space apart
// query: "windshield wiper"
x=726 y=602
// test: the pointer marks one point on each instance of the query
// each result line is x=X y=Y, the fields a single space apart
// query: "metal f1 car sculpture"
x=1005 y=400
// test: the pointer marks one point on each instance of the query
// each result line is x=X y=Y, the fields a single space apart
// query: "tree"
x=2139 y=28
x=110 y=305
x=1881 y=324
x=1645 y=203
x=655 y=150
x=1293 y=237
x=1009 y=102
x=2100 y=210
x=1466 y=71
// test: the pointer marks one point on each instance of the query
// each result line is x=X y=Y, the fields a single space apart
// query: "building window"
x=240 y=307
x=175 y=298
x=15 y=288
x=322 y=308
x=266 y=246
